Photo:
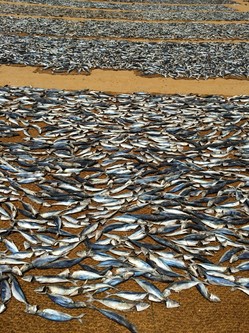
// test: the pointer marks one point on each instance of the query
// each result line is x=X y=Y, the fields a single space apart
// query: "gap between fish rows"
x=115 y=81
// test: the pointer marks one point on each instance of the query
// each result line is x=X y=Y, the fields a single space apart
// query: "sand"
x=116 y=82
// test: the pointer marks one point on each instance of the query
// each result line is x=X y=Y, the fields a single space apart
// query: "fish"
x=17 y=291
x=116 y=304
x=121 y=320
x=54 y=315
x=66 y=302
x=109 y=189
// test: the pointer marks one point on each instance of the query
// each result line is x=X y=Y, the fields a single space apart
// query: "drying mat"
x=195 y=315
x=173 y=165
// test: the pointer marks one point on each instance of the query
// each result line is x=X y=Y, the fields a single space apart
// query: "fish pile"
x=139 y=3
x=121 y=29
x=176 y=60
x=123 y=6
x=107 y=190
x=165 y=14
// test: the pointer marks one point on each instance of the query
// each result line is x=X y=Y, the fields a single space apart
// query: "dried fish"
x=119 y=188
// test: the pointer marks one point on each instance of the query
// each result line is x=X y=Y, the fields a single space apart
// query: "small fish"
x=150 y=288
x=66 y=302
x=131 y=296
x=5 y=291
x=17 y=291
x=116 y=304
x=54 y=315
x=85 y=275
x=182 y=285
x=118 y=319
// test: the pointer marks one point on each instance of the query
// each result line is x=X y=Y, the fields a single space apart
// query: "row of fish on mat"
x=123 y=29
x=165 y=13
x=176 y=60
x=158 y=4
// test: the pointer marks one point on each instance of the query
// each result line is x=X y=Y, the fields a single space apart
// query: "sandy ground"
x=240 y=6
x=116 y=82
x=195 y=315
